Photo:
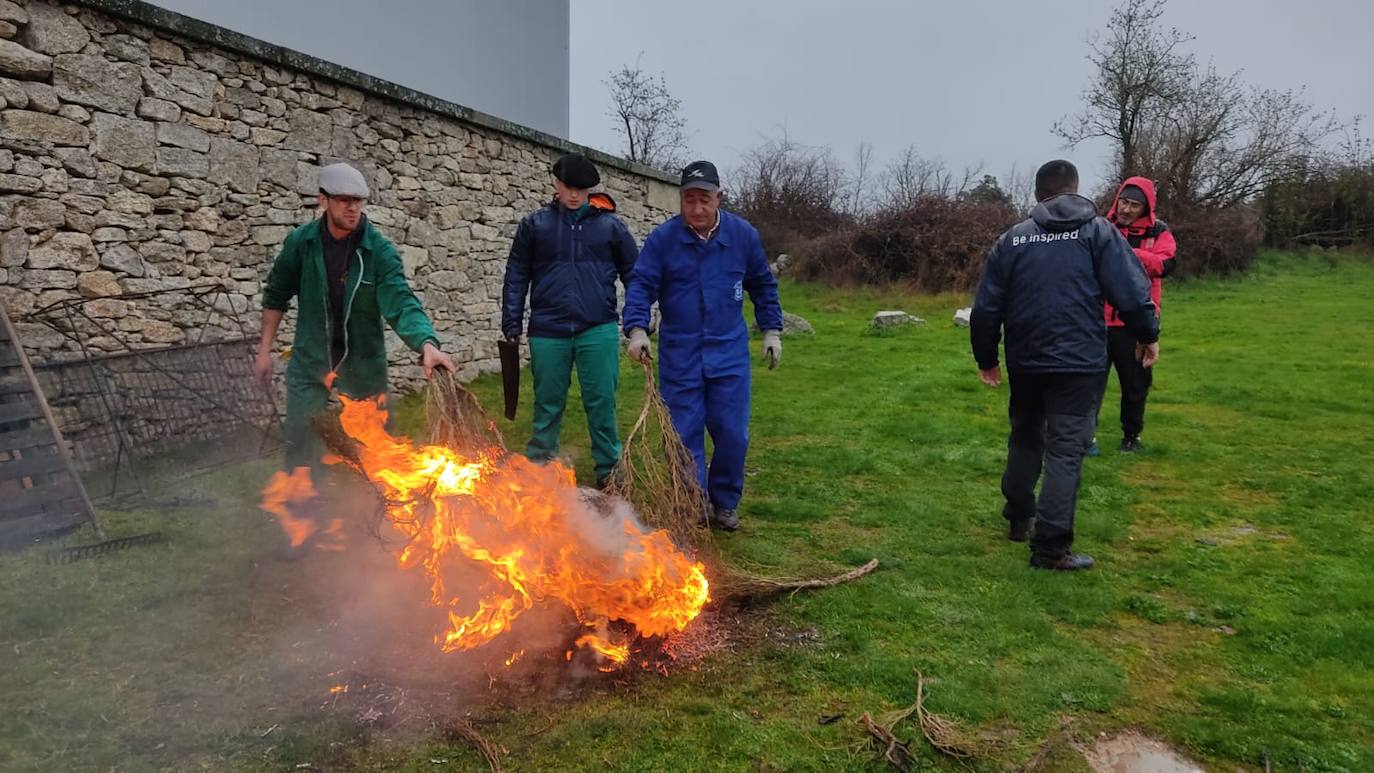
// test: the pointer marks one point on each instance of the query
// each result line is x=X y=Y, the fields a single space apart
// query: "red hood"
x=1146 y=220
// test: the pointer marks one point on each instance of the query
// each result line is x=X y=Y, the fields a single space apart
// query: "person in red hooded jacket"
x=1133 y=213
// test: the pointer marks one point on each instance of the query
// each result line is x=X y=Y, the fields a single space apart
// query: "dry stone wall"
x=136 y=157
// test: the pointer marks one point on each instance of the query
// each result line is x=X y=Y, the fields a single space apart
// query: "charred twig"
x=551 y=724
x=894 y=752
x=464 y=731
x=339 y=443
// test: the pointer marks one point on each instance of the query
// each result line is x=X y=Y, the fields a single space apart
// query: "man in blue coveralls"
x=697 y=267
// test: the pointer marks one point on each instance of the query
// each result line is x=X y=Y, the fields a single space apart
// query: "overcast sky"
x=976 y=82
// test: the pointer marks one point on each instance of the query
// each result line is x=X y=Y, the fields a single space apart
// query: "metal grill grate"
x=186 y=408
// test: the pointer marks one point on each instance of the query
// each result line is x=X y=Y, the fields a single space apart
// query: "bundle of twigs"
x=462 y=730
x=658 y=476
x=455 y=416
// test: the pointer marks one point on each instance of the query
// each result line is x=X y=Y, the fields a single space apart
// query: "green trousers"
x=306 y=400
x=596 y=353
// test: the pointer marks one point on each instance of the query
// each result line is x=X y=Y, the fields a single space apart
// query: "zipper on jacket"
x=348 y=307
x=329 y=321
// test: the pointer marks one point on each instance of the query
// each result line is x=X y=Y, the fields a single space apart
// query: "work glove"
x=638 y=347
x=772 y=347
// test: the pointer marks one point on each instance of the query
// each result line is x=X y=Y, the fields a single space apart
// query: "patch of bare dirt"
x=1134 y=752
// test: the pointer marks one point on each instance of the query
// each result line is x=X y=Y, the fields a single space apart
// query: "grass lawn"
x=1231 y=613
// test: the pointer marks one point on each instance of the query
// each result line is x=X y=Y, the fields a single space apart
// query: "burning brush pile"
x=525 y=527
x=462 y=504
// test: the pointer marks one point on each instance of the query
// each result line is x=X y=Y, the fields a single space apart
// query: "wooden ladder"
x=40 y=492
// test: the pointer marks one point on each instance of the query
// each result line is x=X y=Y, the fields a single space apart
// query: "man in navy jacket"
x=566 y=257
x=697 y=266
x=1043 y=286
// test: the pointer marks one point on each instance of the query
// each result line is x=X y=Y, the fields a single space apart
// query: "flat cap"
x=343 y=180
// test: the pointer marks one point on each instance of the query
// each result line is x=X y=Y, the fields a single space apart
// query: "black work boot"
x=1131 y=444
x=1064 y=562
x=726 y=518
x=1019 y=531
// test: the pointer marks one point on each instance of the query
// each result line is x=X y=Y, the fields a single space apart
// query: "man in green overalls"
x=349 y=278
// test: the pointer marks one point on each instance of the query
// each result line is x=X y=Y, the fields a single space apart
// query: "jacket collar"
x=368 y=243
x=718 y=233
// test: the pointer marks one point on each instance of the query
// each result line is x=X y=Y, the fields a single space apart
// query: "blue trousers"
x=719 y=406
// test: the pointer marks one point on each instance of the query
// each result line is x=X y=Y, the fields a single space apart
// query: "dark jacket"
x=1044 y=283
x=568 y=267
x=1152 y=241
x=376 y=289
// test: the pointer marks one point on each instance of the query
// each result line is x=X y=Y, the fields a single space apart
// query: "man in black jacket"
x=1043 y=284
x=566 y=258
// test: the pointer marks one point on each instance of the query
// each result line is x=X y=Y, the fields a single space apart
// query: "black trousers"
x=1135 y=380
x=1052 y=419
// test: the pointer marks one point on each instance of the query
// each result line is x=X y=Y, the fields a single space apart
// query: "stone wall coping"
x=195 y=29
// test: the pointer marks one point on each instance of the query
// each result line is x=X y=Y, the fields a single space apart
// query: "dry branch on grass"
x=739 y=585
x=894 y=752
x=943 y=734
x=462 y=730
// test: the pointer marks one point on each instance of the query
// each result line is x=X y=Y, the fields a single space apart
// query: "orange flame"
x=616 y=653
x=526 y=527
x=283 y=491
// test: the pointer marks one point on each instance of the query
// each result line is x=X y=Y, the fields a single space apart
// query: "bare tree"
x=1205 y=137
x=790 y=191
x=1020 y=188
x=1140 y=70
x=1272 y=136
x=648 y=118
x=911 y=177
x=859 y=195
